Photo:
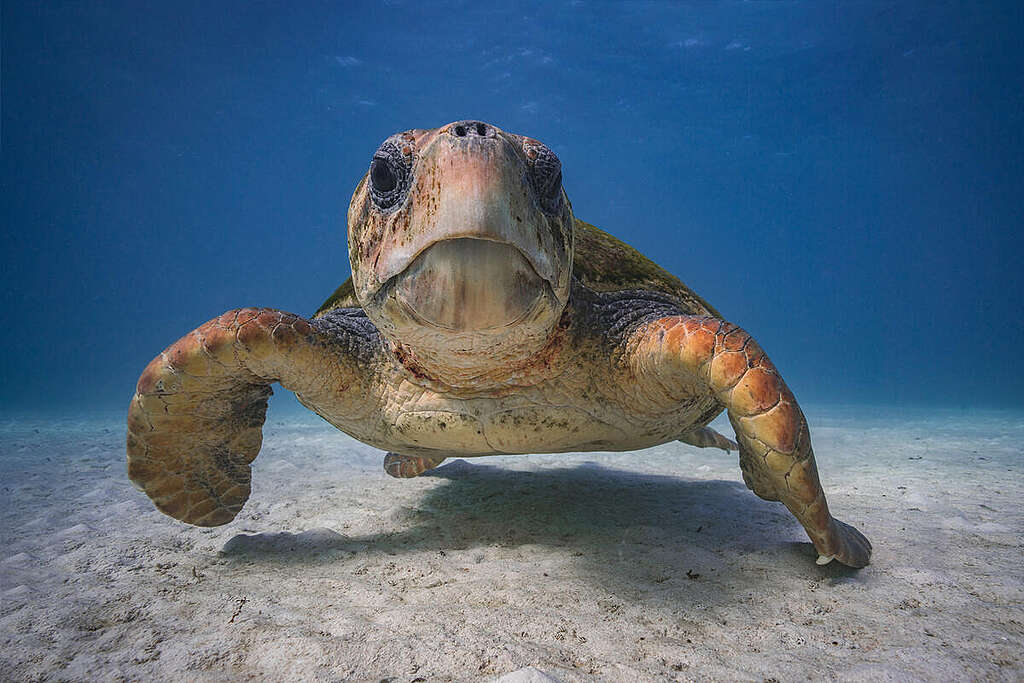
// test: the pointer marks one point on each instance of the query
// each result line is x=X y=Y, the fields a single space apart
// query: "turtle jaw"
x=466 y=285
x=466 y=307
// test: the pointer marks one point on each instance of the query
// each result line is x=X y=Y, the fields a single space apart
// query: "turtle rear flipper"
x=706 y=437
x=194 y=424
x=408 y=466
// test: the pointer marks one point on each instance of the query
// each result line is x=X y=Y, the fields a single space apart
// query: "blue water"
x=843 y=179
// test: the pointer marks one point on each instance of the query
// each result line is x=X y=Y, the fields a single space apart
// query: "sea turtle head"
x=460 y=242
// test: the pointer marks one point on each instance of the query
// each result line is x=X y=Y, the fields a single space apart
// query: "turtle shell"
x=602 y=263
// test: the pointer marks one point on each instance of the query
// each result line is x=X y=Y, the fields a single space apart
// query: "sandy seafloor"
x=656 y=565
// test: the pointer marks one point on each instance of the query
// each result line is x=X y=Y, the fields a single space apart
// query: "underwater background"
x=843 y=179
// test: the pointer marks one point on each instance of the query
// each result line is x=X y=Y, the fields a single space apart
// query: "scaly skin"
x=775 y=445
x=194 y=424
x=476 y=335
x=408 y=466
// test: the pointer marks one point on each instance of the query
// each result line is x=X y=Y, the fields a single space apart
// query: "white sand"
x=656 y=565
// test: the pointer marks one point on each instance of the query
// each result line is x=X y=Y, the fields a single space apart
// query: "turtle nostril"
x=470 y=129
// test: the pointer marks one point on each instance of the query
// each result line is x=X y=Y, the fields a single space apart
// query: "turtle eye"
x=391 y=173
x=545 y=175
x=381 y=176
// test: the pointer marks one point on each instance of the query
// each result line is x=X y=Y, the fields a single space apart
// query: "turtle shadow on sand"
x=621 y=529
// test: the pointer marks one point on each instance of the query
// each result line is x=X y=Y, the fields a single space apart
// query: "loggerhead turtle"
x=481 y=318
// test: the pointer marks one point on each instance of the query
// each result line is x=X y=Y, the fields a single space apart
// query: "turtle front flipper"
x=775 y=445
x=194 y=424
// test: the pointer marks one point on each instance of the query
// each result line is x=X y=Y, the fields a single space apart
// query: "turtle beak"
x=471 y=185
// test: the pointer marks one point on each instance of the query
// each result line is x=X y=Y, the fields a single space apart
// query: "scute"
x=602 y=263
x=343 y=297
x=607 y=264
